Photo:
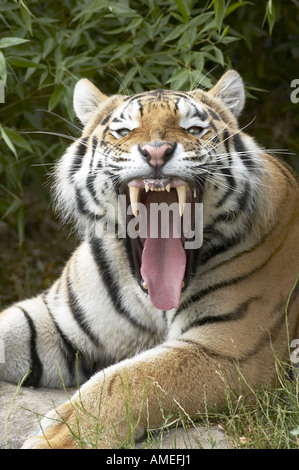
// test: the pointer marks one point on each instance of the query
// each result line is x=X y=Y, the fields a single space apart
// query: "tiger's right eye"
x=195 y=130
x=123 y=132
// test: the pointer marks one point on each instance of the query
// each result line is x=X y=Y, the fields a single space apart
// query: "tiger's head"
x=161 y=146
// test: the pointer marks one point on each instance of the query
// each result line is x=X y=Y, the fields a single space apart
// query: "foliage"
x=127 y=46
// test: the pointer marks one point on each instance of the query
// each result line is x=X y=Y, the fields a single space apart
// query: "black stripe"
x=264 y=340
x=214 y=115
x=202 y=115
x=110 y=282
x=68 y=349
x=226 y=171
x=237 y=314
x=73 y=354
x=79 y=314
x=225 y=245
x=206 y=351
x=36 y=367
x=82 y=209
x=230 y=282
x=94 y=147
x=244 y=198
x=106 y=119
x=227 y=217
x=242 y=153
x=78 y=157
x=249 y=250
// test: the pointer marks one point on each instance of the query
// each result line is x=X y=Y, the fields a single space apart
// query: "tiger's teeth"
x=194 y=193
x=144 y=285
x=168 y=188
x=134 y=196
x=146 y=187
x=181 y=191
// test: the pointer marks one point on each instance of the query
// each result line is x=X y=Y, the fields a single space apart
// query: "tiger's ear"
x=230 y=90
x=87 y=99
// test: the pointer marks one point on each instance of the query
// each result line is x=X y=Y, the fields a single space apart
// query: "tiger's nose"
x=157 y=153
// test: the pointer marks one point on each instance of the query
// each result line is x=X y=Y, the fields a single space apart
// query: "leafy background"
x=123 y=46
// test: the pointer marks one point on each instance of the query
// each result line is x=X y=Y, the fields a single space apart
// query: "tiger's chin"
x=162 y=230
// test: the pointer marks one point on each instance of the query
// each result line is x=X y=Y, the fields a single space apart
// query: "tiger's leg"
x=177 y=375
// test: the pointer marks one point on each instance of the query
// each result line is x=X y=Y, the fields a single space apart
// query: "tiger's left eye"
x=195 y=130
x=123 y=132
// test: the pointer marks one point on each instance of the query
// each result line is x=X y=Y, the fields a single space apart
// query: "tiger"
x=151 y=322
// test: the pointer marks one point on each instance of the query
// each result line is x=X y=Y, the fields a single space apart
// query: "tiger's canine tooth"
x=168 y=188
x=134 y=196
x=181 y=192
x=144 y=285
x=146 y=187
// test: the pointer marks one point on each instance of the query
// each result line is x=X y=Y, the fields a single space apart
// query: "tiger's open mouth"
x=165 y=210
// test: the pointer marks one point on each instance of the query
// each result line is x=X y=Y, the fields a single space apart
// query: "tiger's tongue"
x=163 y=259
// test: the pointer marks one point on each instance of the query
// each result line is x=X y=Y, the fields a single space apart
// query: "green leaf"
x=179 y=79
x=183 y=8
x=8 y=142
x=7 y=7
x=26 y=15
x=128 y=78
x=18 y=140
x=178 y=31
x=71 y=61
x=271 y=15
x=13 y=207
x=233 y=7
x=201 y=19
x=8 y=42
x=218 y=55
x=21 y=62
x=219 y=9
x=48 y=45
x=199 y=61
x=56 y=97
x=3 y=72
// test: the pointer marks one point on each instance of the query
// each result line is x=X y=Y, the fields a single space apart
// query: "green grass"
x=270 y=421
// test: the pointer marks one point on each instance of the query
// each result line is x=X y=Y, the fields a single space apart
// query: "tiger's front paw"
x=58 y=430
x=75 y=425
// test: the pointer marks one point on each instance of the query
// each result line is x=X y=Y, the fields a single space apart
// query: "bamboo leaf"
x=219 y=9
x=17 y=139
x=183 y=8
x=56 y=97
x=9 y=42
x=26 y=15
x=3 y=72
x=271 y=15
x=21 y=62
x=8 y=142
